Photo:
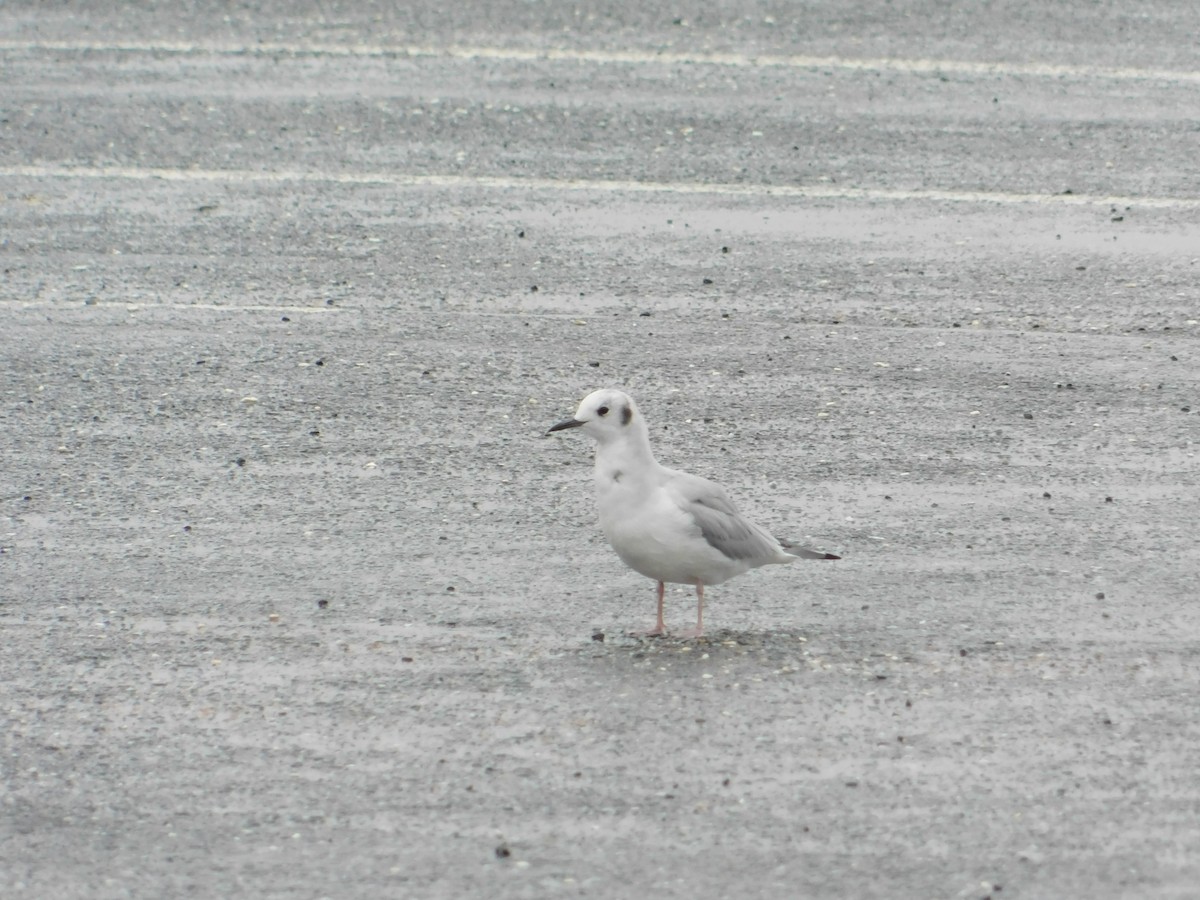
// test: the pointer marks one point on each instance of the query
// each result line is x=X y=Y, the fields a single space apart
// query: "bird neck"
x=628 y=452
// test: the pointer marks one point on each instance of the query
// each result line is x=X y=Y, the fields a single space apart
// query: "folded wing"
x=719 y=520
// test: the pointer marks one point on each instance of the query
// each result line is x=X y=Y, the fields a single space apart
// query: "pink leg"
x=698 y=631
x=660 y=627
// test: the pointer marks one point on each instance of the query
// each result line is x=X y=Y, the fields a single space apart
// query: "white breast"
x=656 y=538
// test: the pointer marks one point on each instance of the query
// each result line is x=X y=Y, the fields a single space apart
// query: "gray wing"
x=719 y=520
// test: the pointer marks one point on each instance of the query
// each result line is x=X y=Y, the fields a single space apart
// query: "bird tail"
x=803 y=552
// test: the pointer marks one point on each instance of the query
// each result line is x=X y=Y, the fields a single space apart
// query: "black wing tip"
x=804 y=552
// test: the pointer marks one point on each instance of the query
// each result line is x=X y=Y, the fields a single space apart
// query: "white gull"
x=668 y=525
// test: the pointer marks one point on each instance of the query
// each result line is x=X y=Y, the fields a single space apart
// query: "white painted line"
x=137 y=307
x=504 y=183
x=628 y=57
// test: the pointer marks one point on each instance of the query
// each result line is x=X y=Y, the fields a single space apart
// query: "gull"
x=665 y=524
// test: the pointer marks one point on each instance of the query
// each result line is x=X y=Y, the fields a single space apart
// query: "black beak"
x=564 y=425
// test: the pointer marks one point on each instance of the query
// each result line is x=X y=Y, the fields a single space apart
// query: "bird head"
x=604 y=415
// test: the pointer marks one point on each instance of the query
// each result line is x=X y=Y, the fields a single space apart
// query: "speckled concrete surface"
x=298 y=600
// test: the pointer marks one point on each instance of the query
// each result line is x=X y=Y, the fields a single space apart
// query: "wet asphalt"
x=298 y=599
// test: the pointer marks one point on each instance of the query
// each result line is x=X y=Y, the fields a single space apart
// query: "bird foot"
x=657 y=631
x=689 y=634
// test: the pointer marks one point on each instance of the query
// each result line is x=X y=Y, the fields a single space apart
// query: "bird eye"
x=602 y=411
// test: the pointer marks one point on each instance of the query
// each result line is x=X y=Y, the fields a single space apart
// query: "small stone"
x=322 y=604
x=1029 y=415
x=502 y=852
x=1100 y=596
x=598 y=637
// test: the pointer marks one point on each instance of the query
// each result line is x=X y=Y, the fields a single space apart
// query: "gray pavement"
x=297 y=600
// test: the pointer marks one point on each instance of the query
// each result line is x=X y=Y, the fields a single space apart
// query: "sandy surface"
x=298 y=600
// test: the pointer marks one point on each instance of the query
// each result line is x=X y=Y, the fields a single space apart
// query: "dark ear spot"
x=626 y=415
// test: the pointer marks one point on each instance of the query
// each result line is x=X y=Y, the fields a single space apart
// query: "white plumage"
x=668 y=525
